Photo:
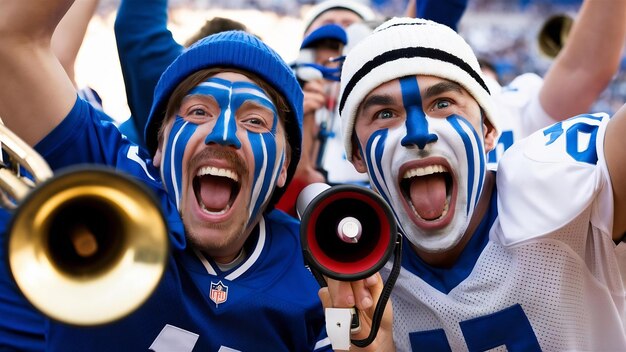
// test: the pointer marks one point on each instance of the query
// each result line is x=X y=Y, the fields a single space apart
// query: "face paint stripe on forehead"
x=474 y=155
x=254 y=93
x=208 y=88
x=416 y=122
x=250 y=88
x=224 y=131
x=228 y=116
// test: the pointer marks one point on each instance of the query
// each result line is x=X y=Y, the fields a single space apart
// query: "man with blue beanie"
x=223 y=139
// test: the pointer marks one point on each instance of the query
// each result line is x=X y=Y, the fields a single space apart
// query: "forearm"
x=35 y=94
x=588 y=61
x=448 y=12
x=145 y=47
x=69 y=34
x=614 y=146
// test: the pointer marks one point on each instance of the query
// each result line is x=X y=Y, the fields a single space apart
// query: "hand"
x=362 y=294
x=314 y=96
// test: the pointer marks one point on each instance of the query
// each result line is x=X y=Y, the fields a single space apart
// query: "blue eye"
x=384 y=114
x=198 y=112
x=442 y=104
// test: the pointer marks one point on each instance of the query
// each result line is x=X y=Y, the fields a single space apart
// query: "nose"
x=224 y=132
x=417 y=130
x=416 y=122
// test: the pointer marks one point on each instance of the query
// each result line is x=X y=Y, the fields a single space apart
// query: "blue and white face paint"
x=423 y=146
x=244 y=132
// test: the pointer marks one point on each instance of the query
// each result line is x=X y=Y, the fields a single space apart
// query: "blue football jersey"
x=267 y=302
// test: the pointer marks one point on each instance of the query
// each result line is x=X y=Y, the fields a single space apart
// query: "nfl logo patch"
x=218 y=293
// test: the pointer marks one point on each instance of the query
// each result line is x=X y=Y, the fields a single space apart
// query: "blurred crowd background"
x=502 y=31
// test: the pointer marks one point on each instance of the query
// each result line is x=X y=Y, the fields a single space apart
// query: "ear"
x=357 y=156
x=158 y=155
x=156 y=160
x=490 y=133
x=282 y=177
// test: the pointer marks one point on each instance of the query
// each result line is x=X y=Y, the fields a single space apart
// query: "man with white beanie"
x=524 y=258
x=331 y=28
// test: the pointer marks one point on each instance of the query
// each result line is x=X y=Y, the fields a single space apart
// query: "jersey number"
x=509 y=327
x=572 y=139
x=505 y=140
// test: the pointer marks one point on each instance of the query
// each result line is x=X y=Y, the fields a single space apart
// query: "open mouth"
x=216 y=189
x=428 y=191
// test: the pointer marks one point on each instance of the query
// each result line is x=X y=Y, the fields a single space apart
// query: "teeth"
x=214 y=171
x=422 y=171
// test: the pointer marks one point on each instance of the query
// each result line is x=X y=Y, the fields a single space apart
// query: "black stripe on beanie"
x=407 y=53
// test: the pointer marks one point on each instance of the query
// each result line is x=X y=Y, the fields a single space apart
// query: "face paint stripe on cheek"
x=260 y=165
x=172 y=166
x=266 y=171
x=375 y=149
x=474 y=156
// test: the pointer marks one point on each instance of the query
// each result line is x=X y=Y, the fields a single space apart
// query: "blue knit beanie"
x=240 y=50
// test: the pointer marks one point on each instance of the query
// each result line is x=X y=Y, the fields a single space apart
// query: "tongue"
x=215 y=192
x=428 y=195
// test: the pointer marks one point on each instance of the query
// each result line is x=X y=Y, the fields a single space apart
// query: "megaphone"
x=348 y=232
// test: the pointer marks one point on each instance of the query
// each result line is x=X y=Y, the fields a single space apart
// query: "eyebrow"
x=374 y=100
x=442 y=87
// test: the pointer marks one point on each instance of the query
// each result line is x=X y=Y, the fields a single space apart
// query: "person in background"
x=526 y=258
x=146 y=47
x=575 y=79
x=223 y=138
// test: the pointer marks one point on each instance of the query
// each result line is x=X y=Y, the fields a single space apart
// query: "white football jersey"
x=519 y=111
x=543 y=274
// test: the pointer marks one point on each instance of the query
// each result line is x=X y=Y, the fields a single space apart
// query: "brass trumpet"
x=553 y=34
x=86 y=246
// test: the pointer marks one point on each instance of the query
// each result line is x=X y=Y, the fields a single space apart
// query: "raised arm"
x=588 y=61
x=145 y=47
x=448 y=12
x=36 y=93
x=614 y=147
x=69 y=34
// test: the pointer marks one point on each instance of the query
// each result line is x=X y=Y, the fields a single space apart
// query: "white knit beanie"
x=404 y=47
x=356 y=6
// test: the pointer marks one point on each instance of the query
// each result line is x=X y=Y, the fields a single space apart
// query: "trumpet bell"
x=88 y=246
x=553 y=34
